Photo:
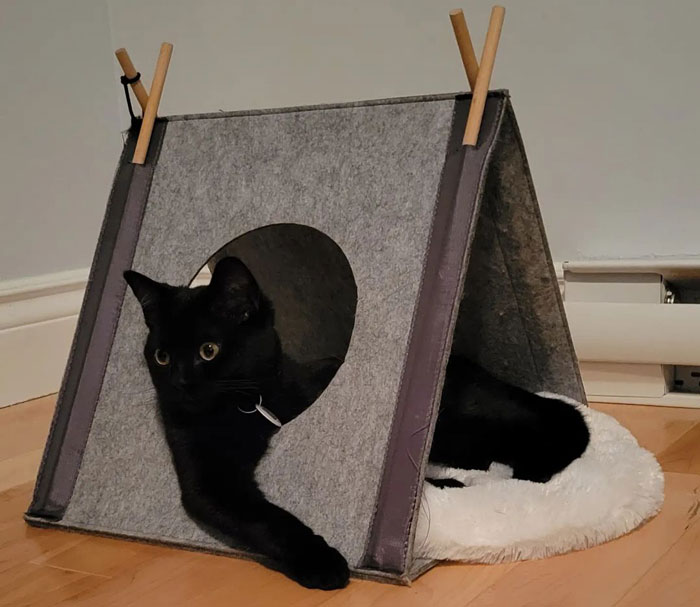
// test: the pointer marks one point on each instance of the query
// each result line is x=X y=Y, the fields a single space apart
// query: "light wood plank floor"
x=657 y=565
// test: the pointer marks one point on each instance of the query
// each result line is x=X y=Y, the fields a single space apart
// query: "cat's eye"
x=162 y=357
x=208 y=350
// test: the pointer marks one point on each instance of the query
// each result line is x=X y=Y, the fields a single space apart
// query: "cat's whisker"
x=225 y=386
x=249 y=387
x=240 y=390
x=233 y=383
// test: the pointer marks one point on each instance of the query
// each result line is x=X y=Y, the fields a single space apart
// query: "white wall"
x=59 y=133
x=606 y=94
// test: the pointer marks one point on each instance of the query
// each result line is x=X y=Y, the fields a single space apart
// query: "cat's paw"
x=320 y=566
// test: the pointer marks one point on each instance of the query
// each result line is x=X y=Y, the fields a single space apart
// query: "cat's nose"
x=182 y=377
x=183 y=383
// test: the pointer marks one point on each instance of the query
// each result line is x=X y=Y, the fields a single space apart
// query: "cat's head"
x=207 y=343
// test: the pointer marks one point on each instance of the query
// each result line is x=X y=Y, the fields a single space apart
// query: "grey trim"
x=358 y=573
x=93 y=339
x=389 y=545
x=327 y=106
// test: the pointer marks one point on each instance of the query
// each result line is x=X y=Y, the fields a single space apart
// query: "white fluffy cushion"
x=611 y=489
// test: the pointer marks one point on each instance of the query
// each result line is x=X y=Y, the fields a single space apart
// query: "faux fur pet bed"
x=614 y=487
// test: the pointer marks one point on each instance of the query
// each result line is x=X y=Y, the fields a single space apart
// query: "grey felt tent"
x=382 y=240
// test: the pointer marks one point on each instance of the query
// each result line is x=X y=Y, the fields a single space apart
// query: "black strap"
x=126 y=82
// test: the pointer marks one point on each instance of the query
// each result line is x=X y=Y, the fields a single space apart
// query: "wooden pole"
x=149 y=114
x=130 y=72
x=483 y=79
x=464 y=42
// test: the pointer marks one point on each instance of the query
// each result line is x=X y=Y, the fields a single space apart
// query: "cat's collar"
x=265 y=412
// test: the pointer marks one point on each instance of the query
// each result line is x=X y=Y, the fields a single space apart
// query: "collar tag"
x=265 y=412
x=268 y=415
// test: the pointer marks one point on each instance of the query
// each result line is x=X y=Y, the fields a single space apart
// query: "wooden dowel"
x=464 y=42
x=130 y=72
x=149 y=114
x=483 y=79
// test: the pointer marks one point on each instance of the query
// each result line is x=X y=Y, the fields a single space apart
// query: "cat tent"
x=382 y=240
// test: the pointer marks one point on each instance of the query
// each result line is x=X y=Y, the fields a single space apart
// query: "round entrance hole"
x=310 y=283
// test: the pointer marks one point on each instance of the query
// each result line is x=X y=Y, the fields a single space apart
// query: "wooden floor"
x=657 y=565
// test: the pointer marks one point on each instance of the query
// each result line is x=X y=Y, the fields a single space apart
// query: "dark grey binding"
x=457 y=207
x=93 y=338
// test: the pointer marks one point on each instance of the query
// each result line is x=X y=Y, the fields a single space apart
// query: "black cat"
x=484 y=420
x=223 y=386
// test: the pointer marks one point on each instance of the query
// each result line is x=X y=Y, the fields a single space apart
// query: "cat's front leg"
x=315 y=564
x=273 y=532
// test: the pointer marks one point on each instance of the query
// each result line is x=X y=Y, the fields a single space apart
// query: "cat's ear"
x=148 y=292
x=233 y=290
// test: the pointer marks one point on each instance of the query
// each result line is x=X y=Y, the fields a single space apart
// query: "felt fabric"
x=346 y=171
x=511 y=320
x=89 y=353
x=614 y=487
x=335 y=208
x=391 y=539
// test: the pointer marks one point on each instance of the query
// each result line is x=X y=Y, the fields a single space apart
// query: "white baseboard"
x=635 y=333
x=626 y=339
x=672 y=399
x=559 y=271
x=605 y=380
x=38 y=316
